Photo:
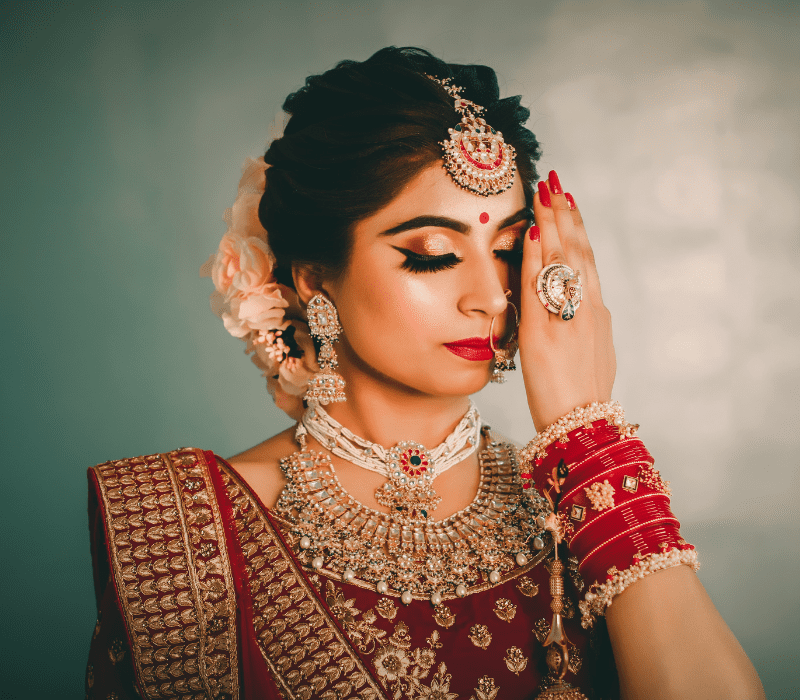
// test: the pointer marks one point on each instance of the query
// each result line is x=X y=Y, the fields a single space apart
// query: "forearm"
x=670 y=642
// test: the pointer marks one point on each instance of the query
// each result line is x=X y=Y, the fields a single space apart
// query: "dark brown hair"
x=359 y=132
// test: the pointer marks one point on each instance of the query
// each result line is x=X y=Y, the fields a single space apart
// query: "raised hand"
x=565 y=363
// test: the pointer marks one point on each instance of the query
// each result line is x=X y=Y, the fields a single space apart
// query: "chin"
x=463 y=382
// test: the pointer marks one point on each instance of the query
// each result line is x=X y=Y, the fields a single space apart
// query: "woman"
x=391 y=545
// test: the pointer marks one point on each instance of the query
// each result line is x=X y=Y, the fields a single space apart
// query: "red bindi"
x=484 y=218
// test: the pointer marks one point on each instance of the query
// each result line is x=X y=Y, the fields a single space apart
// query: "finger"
x=559 y=244
x=531 y=267
x=567 y=235
x=589 y=273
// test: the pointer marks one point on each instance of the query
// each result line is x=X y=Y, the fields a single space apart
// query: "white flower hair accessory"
x=252 y=304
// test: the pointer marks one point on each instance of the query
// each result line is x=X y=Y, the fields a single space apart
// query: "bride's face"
x=426 y=275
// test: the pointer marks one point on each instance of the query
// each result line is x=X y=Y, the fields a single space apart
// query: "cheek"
x=399 y=311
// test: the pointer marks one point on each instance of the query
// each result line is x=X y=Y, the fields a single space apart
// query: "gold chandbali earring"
x=504 y=357
x=327 y=385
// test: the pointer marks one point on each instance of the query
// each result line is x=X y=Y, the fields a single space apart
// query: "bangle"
x=581 y=417
x=612 y=506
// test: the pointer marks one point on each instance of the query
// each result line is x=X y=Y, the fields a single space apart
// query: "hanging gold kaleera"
x=476 y=156
x=557 y=643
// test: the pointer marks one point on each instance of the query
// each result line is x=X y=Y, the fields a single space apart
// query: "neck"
x=387 y=413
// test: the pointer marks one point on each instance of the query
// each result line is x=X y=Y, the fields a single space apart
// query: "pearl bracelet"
x=600 y=596
x=611 y=411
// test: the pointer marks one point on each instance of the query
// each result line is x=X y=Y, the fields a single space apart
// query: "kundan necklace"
x=404 y=552
x=408 y=466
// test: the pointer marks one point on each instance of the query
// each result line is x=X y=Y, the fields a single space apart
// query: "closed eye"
x=419 y=263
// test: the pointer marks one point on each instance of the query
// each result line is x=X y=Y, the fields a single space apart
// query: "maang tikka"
x=504 y=357
x=327 y=385
x=476 y=156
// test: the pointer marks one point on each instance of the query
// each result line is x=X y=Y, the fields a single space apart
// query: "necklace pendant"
x=409 y=492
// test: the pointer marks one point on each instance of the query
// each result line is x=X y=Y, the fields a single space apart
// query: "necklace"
x=408 y=466
x=499 y=533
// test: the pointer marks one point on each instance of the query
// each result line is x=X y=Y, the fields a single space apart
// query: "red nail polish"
x=555 y=183
x=544 y=193
x=570 y=201
x=534 y=233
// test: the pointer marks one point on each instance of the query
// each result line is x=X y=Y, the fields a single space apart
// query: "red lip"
x=475 y=349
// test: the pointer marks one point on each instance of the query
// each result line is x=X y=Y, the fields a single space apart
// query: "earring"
x=326 y=386
x=504 y=357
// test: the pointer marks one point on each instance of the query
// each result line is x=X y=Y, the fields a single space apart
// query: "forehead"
x=433 y=192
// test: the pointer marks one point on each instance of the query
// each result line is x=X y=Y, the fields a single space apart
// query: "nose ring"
x=504 y=357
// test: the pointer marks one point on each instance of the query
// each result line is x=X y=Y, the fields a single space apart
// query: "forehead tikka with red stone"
x=476 y=156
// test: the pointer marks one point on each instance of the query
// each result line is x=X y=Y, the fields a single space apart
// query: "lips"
x=475 y=349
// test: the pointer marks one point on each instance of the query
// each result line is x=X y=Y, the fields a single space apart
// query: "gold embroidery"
x=527 y=587
x=505 y=609
x=160 y=512
x=399 y=667
x=439 y=689
x=480 y=636
x=442 y=616
x=386 y=609
x=541 y=629
x=307 y=654
x=343 y=610
x=433 y=640
x=112 y=696
x=90 y=675
x=391 y=663
x=569 y=608
x=515 y=660
x=97 y=624
x=116 y=652
x=486 y=690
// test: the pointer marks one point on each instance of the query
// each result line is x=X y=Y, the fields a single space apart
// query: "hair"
x=356 y=135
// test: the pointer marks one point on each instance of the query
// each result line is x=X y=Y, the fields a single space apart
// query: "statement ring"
x=559 y=289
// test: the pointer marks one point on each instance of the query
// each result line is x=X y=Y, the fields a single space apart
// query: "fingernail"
x=555 y=184
x=544 y=193
x=570 y=201
x=534 y=233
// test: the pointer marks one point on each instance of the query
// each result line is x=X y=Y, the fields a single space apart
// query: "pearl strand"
x=600 y=596
x=611 y=411
x=342 y=442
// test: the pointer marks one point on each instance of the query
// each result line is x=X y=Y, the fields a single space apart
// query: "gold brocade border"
x=307 y=653
x=172 y=574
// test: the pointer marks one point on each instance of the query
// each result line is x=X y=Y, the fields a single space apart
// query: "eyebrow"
x=453 y=224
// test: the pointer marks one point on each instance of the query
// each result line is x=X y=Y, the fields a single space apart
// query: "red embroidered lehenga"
x=202 y=592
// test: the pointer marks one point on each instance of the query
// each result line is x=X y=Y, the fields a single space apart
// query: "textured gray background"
x=123 y=131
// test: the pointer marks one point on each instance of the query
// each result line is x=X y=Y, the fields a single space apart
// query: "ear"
x=307 y=282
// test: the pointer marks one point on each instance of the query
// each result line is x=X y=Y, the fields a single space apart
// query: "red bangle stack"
x=613 y=510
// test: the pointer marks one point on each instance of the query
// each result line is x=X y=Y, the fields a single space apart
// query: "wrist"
x=612 y=506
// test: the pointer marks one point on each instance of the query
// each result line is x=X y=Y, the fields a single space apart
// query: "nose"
x=484 y=291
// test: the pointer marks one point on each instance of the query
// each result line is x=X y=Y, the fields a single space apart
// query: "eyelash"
x=418 y=263
x=415 y=262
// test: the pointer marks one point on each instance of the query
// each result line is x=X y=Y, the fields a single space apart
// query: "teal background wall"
x=123 y=127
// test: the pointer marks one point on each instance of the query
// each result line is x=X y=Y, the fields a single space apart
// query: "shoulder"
x=260 y=466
